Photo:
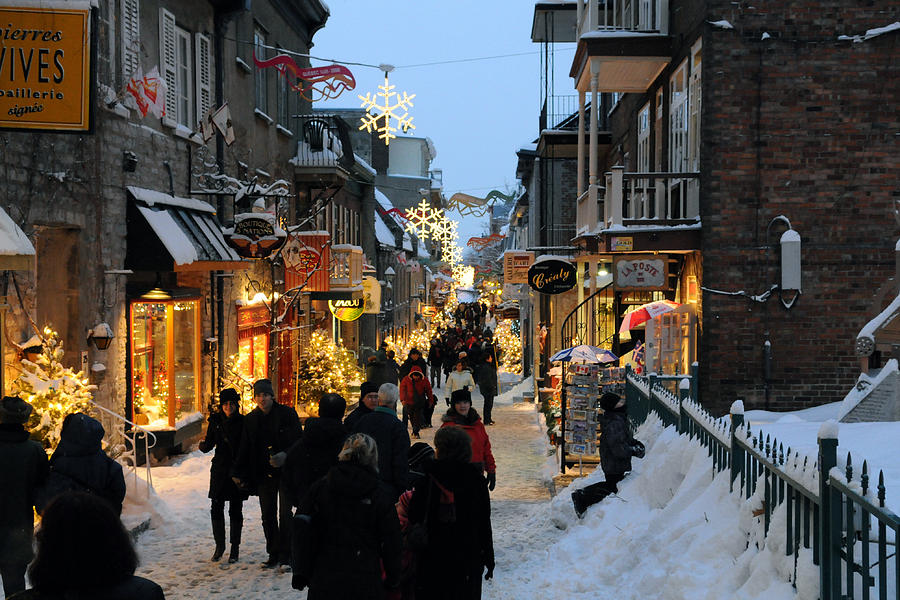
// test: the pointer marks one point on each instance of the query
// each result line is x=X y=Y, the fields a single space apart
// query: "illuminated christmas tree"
x=53 y=390
x=327 y=367
x=510 y=345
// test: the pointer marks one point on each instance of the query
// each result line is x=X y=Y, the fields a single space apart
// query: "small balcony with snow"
x=623 y=44
x=324 y=148
x=649 y=200
x=346 y=267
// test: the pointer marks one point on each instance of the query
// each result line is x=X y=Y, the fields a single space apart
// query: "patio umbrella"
x=584 y=354
x=645 y=313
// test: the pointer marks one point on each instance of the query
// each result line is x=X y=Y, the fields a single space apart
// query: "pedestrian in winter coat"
x=459 y=379
x=347 y=530
x=435 y=361
x=385 y=428
x=487 y=384
x=270 y=430
x=413 y=359
x=84 y=553
x=460 y=544
x=416 y=397
x=368 y=400
x=23 y=469
x=79 y=463
x=392 y=370
x=224 y=434
x=616 y=447
x=311 y=458
x=461 y=414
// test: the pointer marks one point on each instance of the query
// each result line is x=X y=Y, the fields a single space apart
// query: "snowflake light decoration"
x=446 y=231
x=422 y=219
x=452 y=254
x=379 y=117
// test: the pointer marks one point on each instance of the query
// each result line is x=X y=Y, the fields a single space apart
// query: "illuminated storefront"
x=165 y=360
x=253 y=342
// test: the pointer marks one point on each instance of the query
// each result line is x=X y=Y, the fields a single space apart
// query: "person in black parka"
x=392 y=438
x=487 y=384
x=346 y=530
x=413 y=359
x=84 y=553
x=270 y=430
x=224 y=434
x=616 y=447
x=23 y=469
x=459 y=547
x=368 y=400
x=79 y=463
x=323 y=437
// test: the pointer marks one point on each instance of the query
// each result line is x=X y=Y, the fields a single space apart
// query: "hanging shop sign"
x=428 y=311
x=516 y=265
x=255 y=235
x=307 y=257
x=641 y=272
x=551 y=276
x=347 y=310
x=371 y=295
x=621 y=244
x=45 y=66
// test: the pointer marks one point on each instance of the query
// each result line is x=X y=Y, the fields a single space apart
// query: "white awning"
x=16 y=250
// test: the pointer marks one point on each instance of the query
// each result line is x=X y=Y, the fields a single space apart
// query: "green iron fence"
x=842 y=521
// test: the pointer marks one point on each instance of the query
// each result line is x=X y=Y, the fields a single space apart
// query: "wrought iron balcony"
x=639 y=16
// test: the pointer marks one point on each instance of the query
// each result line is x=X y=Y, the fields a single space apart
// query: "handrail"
x=130 y=454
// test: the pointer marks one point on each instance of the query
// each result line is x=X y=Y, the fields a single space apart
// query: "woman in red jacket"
x=461 y=414
x=416 y=397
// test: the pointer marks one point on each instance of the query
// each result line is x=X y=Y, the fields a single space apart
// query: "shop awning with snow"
x=168 y=233
x=16 y=250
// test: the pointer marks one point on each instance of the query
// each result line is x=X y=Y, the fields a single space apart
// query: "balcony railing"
x=651 y=198
x=587 y=212
x=346 y=266
x=641 y=16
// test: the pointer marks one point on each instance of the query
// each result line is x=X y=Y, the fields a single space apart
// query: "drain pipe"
x=168 y=167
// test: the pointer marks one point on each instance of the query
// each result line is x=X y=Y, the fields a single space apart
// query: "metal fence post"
x=737 y=451
x=830 y=518
x=695 y=382
x=652 y=383
x=635 y=408
x=684 y=392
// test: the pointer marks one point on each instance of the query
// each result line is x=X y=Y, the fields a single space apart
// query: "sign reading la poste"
x=551 y=276
x=45 y=66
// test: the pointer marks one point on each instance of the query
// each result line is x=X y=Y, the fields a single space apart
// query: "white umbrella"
x=584 y=354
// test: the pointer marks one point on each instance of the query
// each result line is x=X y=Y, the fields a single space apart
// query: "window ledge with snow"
x=260 y=114
x=284 y=130
x=183 y=132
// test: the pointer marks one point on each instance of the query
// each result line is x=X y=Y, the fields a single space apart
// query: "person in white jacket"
x=459 y=379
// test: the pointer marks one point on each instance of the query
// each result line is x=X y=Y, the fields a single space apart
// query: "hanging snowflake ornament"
x=452 y=254
x=446 y=231
x=419 y=220
x=379 y=117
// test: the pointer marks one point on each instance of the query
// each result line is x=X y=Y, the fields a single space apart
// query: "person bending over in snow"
x=616 y=449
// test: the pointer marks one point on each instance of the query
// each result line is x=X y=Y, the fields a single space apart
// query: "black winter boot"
x=237 y=522
x=218 y=527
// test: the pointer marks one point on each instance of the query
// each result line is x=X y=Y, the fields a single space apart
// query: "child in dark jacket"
x=616 y=448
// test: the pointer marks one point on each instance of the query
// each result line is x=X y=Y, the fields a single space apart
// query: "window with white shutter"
x=693 y=149
x=131 y=37
x=203 y=48
x=168 y=62
x=184 y=95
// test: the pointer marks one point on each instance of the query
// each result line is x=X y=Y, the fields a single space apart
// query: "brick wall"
x=800 y=125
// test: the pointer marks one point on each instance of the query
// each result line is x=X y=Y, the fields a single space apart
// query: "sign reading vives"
x=45 y=66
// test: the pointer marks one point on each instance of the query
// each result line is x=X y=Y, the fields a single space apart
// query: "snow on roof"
x=864 y=385
x=646 y=228
x=179 y=245
x=365 y=166
x=407 y=242
x=422 y=251
x=871 y=33
x=382 y=232
x=153 y=197
x=13 y=240
x=544 y=257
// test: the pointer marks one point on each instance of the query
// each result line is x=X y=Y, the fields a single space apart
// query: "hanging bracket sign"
x=255 y=235
x=347 y=310
x=551 y=276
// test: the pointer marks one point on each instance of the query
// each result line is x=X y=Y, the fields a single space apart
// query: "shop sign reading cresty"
x=551 y=276
x=45 y=66
x=641 y=272
x=347 y=310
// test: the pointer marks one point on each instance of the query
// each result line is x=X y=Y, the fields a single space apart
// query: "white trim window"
x=131 y=37
x=678 y=110
x=658 y=129
x=693 y=146
x=643 y=139
x=186 y=66
x=261 y=76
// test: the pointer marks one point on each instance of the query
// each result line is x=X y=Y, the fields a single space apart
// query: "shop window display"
x=165 y=359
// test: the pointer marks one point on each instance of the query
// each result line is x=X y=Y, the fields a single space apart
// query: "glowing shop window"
x=253 y=358
x=165 y=360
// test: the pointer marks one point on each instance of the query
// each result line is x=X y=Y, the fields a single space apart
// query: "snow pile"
x=671 y=527
x=509 y=396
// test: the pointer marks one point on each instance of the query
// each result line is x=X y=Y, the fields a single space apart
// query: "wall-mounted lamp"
x=101 y=336
x=790 y=288
x=129 y=161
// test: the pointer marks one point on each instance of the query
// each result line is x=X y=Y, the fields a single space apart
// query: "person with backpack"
x=224 y=434
x=616 y=447
x=346 y=530
x=450 y=515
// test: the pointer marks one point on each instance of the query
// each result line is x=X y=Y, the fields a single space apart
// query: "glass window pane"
x=185 y=357
x=150 y=384
x=260 y=366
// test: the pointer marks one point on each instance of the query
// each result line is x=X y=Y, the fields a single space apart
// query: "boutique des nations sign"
x=45 y=66
x=551 y=276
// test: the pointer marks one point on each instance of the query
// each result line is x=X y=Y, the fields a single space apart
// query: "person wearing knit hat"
x=616 y=447
x=368 y=400
x=462 y=414
x=23 y=469
x=270 y=430
x=224 y=433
